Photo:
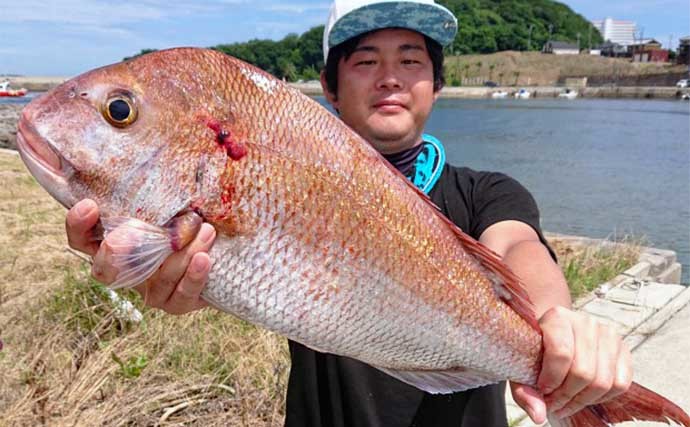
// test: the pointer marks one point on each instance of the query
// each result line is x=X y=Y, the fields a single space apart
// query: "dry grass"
x=70 y=358
x=587 y=266
x=534 y=68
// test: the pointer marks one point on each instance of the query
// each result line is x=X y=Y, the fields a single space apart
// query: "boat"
x=499 y=94
x=522 y=94
x=568 y=94
x=5 y=90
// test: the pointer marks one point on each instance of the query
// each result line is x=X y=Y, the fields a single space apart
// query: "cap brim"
x=432 y=20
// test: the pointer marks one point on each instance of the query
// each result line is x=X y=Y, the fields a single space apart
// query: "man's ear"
x=437 y=94
x=331 y=97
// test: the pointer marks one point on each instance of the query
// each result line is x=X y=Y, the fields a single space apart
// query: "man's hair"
x=347 y=48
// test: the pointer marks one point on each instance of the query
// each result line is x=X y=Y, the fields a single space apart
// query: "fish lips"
x=43 y=161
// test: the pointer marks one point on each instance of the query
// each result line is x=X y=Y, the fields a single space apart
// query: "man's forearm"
x=542 y=277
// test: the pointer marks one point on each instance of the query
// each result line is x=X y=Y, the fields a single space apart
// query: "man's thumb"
x=531 y=400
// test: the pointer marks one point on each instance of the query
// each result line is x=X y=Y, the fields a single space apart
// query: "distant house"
x=683 y=56
x=647 y=50
x=612 y=49
x=561 y=48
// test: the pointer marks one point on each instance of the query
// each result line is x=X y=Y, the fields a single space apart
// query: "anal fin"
x=443 y=382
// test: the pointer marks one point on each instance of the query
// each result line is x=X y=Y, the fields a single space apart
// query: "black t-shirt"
x=325 y=390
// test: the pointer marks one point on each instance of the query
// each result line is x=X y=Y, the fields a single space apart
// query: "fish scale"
x=318 y=237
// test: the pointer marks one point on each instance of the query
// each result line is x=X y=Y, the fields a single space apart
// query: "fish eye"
x=119 y=110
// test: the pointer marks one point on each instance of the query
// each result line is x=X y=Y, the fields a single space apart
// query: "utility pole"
x=641 y=42
x=589 y=36
x=578 y=42
x=529 y=38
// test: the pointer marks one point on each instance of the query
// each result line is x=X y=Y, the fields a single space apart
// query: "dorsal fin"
x=514 y=293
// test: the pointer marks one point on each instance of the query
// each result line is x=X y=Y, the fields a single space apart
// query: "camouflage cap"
x=350 y=18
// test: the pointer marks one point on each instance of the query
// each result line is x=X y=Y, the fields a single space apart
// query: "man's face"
x=386 y=89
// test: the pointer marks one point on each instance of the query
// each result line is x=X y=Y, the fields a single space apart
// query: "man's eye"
x=410 y=61
x=367 y=62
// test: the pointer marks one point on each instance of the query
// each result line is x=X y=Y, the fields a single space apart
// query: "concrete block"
x=656 y=321
x=622 y=317
x=666 y=253
x=671 y=275
x=654 y=295
x=658 y=263
x=639 y=270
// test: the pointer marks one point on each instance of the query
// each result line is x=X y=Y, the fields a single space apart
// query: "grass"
x=71 y=358
x=587 y=266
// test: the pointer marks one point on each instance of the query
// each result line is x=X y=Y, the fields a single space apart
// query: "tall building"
x=620 y=32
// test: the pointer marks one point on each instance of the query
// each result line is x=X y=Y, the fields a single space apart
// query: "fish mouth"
x=43 y=161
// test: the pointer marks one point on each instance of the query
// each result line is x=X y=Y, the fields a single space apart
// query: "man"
x=383 y=74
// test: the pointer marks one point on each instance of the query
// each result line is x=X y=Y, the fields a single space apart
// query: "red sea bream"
x=319 y=239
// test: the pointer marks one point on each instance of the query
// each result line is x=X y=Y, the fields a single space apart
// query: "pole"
x=529 y=39
x=589 y=36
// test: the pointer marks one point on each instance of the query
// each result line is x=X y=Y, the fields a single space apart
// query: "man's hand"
x=174 y=288
x=584 y=363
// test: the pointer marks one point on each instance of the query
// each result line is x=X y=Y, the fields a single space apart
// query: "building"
x=561 y=48
x=618 y=32
x=683 y=56
x=613 y=50
x=647 y=50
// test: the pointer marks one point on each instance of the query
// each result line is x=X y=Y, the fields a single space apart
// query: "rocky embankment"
x=9 y=115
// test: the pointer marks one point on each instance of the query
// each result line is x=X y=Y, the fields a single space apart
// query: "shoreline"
x=42 y=84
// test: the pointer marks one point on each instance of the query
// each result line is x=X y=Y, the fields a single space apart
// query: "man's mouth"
x=389 y=106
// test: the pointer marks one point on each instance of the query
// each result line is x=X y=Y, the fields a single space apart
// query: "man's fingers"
x=559 y=350
x=623 y=374
x=162 y=285
x=186 y=296
x=584 y=367
x=79 y=226
x=606 y=357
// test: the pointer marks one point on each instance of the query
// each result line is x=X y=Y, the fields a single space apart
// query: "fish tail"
x=637 y=404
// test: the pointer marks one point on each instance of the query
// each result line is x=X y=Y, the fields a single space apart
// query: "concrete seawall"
x=647 y=92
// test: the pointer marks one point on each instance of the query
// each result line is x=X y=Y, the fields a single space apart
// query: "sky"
x=69 y=37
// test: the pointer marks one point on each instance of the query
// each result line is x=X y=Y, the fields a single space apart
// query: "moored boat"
x=5 y=90
x=522 y=94
x=568 y=94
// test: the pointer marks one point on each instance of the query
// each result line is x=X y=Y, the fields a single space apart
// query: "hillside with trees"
x=485 y=27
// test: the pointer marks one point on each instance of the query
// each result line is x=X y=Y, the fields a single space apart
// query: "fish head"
x=126 y=135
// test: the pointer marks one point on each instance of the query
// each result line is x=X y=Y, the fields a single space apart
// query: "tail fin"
x=637 y=404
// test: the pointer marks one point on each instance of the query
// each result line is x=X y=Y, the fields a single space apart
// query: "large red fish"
x=319 y=239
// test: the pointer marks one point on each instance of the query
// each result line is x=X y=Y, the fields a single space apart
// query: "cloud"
x=296 y=8
x=97 y=12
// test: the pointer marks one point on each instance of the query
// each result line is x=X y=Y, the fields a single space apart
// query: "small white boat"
x=568 y=94
x=522 y=94
x=499 y=94
x=685 y=97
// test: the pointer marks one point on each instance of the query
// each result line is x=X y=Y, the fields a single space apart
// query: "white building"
x=620 y=32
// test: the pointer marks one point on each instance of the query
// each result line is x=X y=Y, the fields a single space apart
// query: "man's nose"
x=389 y=79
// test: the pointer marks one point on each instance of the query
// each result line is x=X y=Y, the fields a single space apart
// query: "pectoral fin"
x=140 y=248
